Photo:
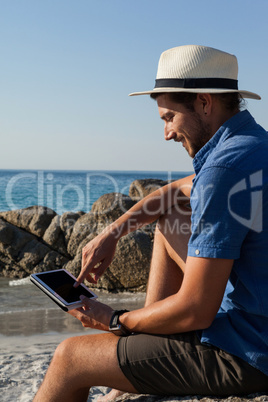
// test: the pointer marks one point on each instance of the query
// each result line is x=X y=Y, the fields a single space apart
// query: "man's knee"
x=64 y=352
x=175 y=222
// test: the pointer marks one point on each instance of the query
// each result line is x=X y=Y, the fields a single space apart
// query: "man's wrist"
x=115 y=325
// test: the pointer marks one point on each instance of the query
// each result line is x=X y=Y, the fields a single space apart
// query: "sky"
x=67 y=67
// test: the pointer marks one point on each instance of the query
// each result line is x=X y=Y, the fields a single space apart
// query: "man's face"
x=183 y=125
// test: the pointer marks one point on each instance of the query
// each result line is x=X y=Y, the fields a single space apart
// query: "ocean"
x=24 y=309
x=67 y=190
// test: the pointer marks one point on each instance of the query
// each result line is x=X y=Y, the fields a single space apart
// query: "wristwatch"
x=115 y=326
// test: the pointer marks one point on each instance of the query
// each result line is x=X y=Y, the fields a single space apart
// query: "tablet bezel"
x=62 y=303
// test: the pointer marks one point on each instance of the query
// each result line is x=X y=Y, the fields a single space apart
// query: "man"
x=204 y=327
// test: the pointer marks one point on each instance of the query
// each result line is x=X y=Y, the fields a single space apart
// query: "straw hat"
x=197 y=69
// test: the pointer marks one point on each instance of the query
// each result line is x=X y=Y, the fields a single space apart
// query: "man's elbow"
x=206 y=320
x=200 y=321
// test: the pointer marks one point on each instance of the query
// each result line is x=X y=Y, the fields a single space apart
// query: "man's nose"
x=169 y=135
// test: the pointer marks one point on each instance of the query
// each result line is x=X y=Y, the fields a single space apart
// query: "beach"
x=31 y=327
x=24 y=361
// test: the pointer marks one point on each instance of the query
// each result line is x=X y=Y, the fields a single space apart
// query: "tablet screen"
x=62 y=283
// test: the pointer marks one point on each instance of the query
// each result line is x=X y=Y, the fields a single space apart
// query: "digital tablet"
x=58 y=285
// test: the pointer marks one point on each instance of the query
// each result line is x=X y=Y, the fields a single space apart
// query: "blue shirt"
x=229 y=201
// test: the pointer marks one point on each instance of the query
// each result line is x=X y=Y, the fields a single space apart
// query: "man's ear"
x=204 y=104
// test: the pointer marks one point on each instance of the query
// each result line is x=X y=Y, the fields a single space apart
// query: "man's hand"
x=93 y=314
x=97 y=255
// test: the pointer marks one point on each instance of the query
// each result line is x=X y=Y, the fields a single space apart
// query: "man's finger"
x=99 y=271
x=76 y=312
x=88 y=302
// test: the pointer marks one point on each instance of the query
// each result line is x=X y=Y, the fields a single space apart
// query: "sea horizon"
x=68 y=190
x=95 y=170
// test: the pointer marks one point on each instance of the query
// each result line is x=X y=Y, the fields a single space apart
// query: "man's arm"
x=195 y=305
x=150 y=208
x=100 y=251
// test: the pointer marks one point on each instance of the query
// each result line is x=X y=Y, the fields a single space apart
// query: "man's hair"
x=230 y=101
x=186 y=98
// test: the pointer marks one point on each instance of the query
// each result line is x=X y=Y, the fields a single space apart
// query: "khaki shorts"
x=181 y=365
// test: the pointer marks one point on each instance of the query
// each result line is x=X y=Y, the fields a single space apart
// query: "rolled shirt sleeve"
x=225 y=207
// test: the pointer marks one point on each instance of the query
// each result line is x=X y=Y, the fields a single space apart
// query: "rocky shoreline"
x=152 y=398
x=36 y=239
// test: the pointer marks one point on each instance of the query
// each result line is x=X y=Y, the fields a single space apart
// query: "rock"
x=34 y=219
x=141 y=188
x=51 y=261
x=104 y=211
x=6 y=233
x=67 y=222
x=21 y=250
x=74 y=265
x=15 y=241
x=55 y=238
x=130 y=267
x=191 y=398
x=31 y=254
x=110 y=207
x=131 y=264
x=10 y=269
x=84 y=226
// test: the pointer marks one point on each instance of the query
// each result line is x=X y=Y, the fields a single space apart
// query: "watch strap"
x=115 y=326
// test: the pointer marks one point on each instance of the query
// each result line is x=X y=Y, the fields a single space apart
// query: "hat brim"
x=244 y=94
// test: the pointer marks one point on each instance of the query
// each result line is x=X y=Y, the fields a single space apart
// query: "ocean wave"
x=27 y=310
x=20 y=282
x=124 y=297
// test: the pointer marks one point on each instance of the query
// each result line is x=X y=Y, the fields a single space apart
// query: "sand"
x=25 y=359
x=23 y=363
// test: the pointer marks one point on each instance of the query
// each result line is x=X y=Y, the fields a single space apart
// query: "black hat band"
x=217 y=83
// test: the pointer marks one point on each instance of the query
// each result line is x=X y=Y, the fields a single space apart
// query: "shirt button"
x=197 y=252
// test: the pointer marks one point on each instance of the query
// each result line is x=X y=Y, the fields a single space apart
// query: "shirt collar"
x=221 y=135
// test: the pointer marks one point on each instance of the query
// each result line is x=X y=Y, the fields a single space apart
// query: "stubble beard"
x=202 y=135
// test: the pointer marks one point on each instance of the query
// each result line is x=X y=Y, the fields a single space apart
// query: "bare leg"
x=169 y=254
x=78 y=364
